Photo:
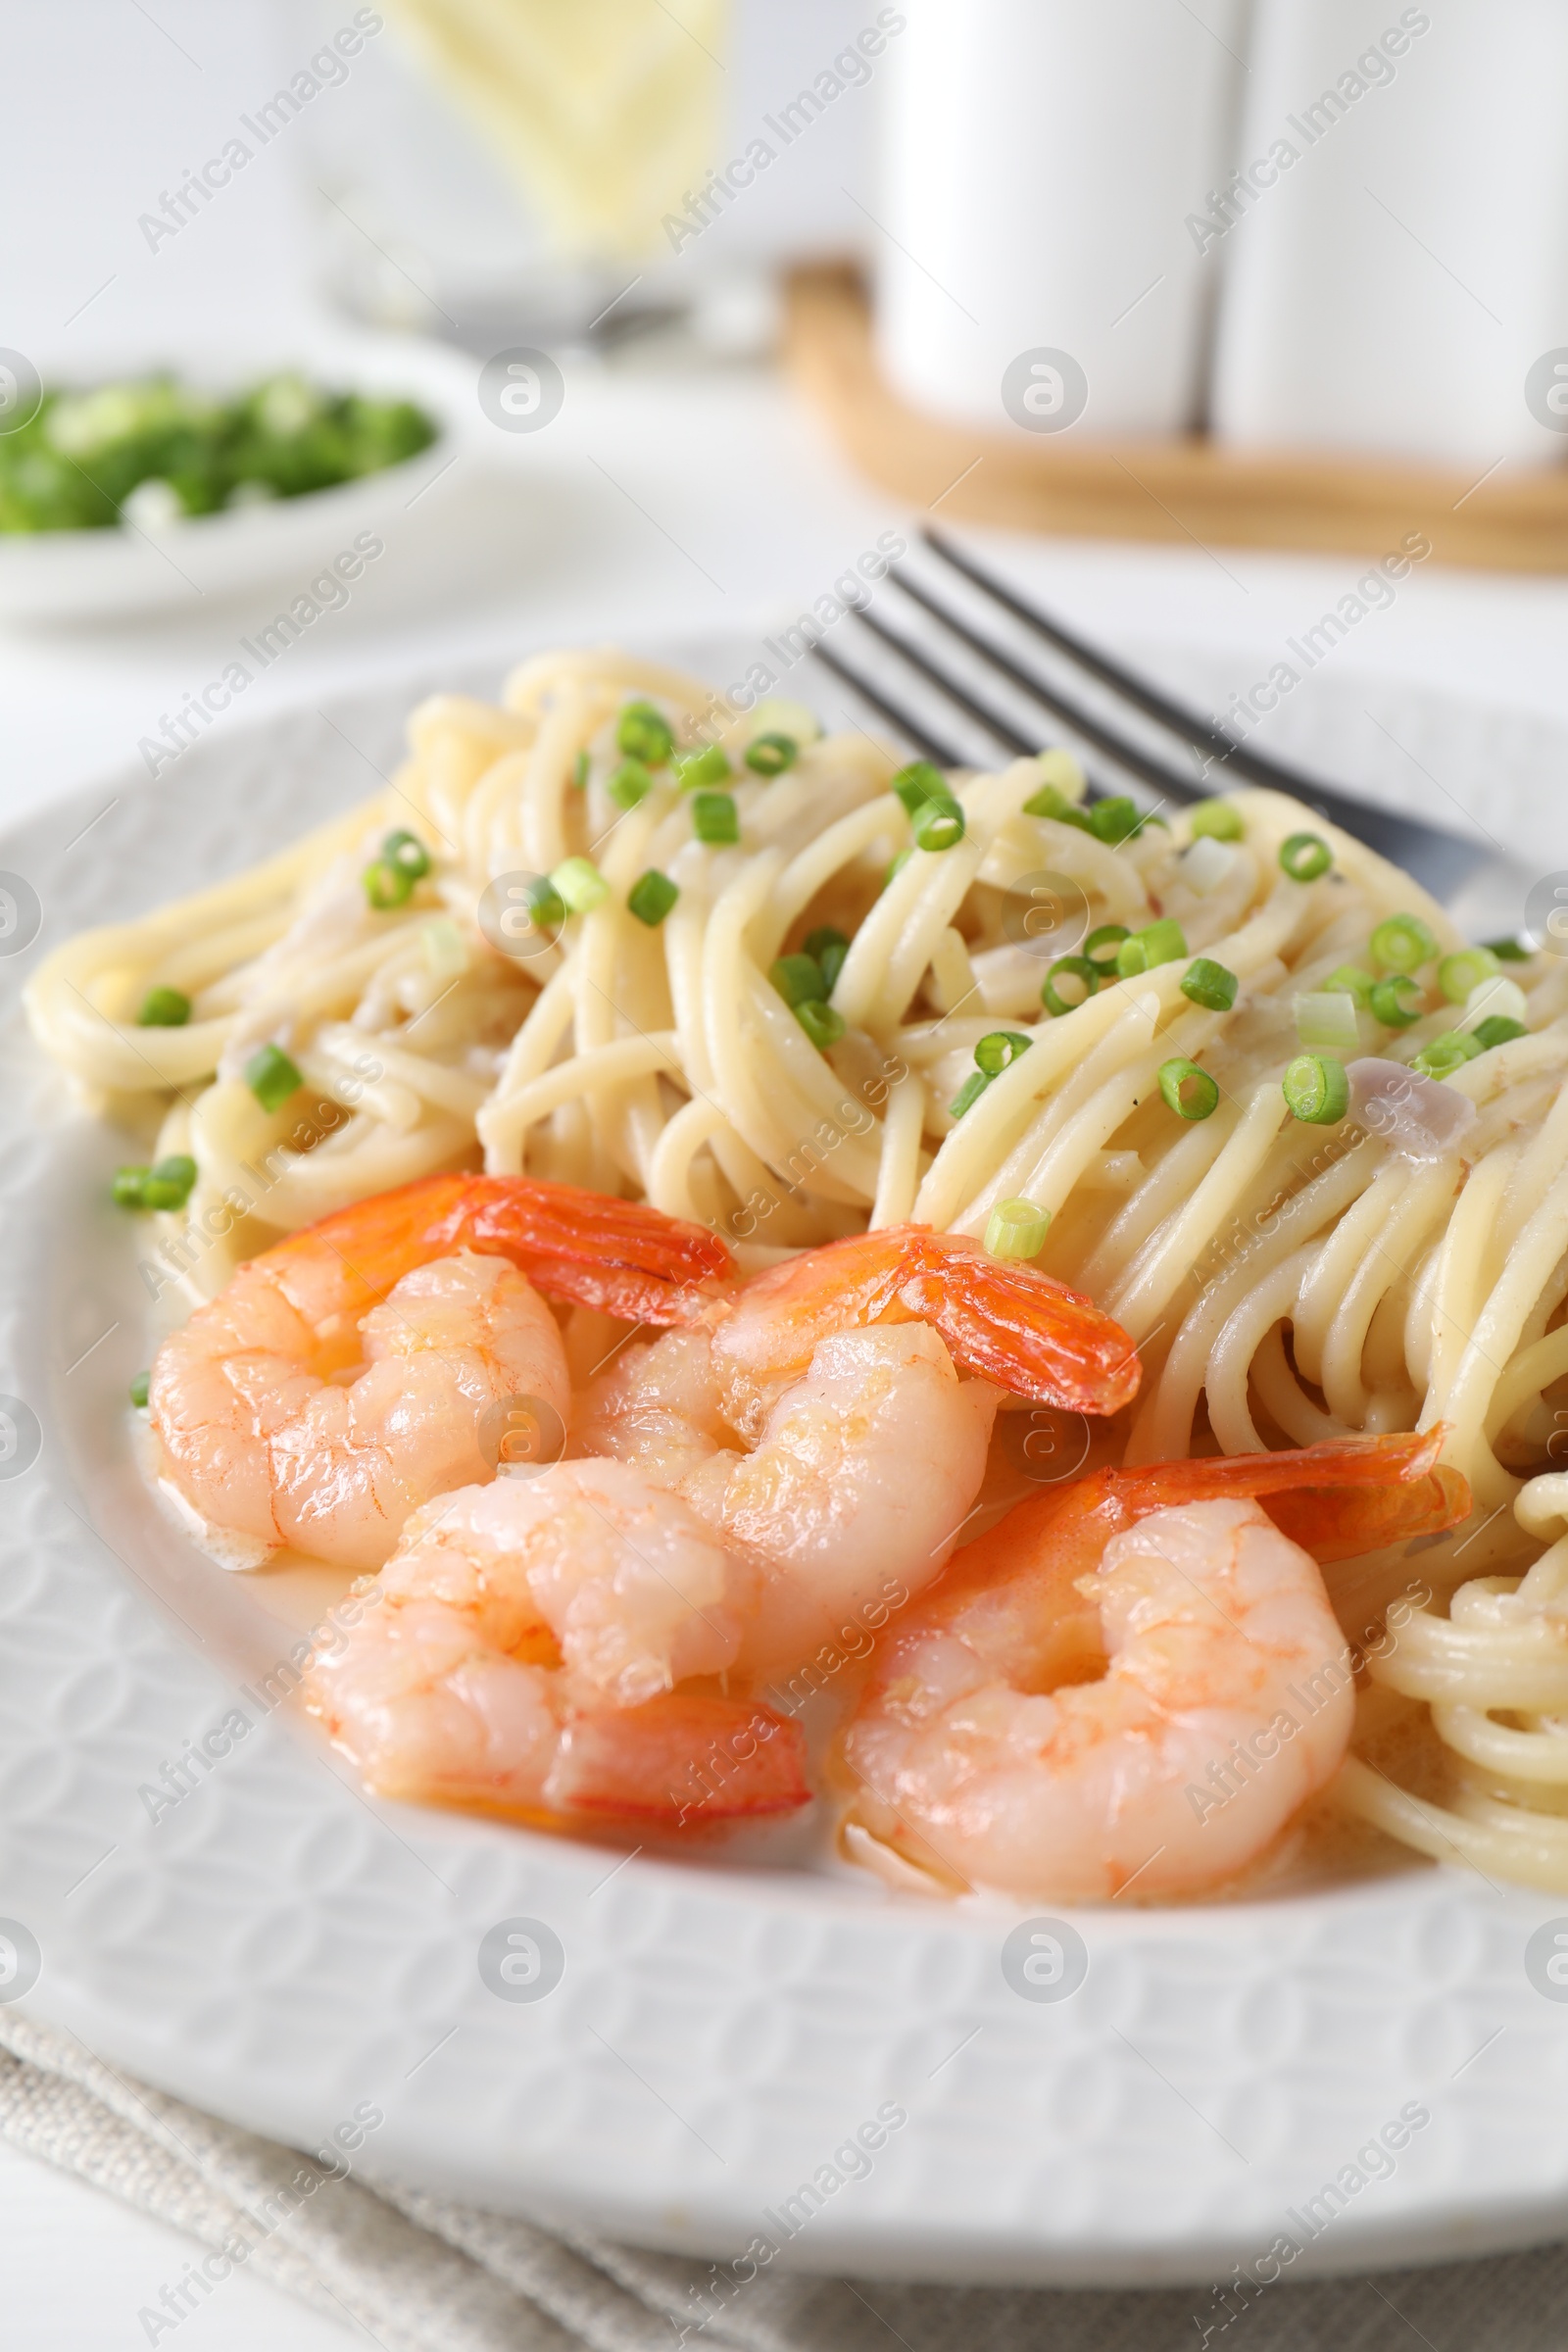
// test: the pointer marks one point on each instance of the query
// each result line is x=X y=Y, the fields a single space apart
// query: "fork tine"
x=1441 y=860
x=942 y=755
x=1164 y=779
x=936 y=674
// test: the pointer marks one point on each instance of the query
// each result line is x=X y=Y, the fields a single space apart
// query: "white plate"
x=65 y=575
x=280 y=1949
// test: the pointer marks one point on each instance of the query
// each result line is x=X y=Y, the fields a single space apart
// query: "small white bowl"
x=71 y=575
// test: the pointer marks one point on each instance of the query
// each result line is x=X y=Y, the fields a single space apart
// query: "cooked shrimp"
x=1139 y=1678
x=999 y=1318
x=524 y=1652
x=821 y=1421
x=339 y=1381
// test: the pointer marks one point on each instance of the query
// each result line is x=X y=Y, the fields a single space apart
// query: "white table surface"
x=660 y=501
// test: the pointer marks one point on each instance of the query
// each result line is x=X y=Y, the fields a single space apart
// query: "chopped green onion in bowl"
x=139 y=1388
x=1497 y=996
x=1497 y=1030
x=970 y=1093
x=86 y=458
x=1101 y=946
x=919 y=783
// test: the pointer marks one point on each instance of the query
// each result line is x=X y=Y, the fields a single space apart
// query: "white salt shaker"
x=1395 y=240
x=1040 y=159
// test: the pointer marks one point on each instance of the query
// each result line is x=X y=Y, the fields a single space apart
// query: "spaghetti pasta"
x=576 y=984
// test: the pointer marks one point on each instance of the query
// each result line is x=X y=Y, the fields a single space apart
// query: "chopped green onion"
x=1398 y=1001
x=709 y=766
x=1305 y=855
x=939 y=825
x=1102 y=945
x=644 y=733
x=631 y=782
x=1316 y=1091
x=1049 y=802
x=1326 y=1019
x=822 y=1025
x=1191 y=1093
x=1448 y=1053
x=386 y=886
x=168 y=1184
x=896 y=866
x=770 y=755
x=579 y=885
x=138 y=1389
x=999 y=1046
x=1508 y=951
x=715 y=818
x=799 y=980
x=1458 y=974
x=1354 y=982
x=970 y=1092
x=1017 y=1229
x=831 y=947
x=1497 y=1030
x=1217 y=819
x=1115 y=820
x=650 y=897
x=1207 y=863
x=272 y=1077
x=1157 y=944
x=1402 y=942
x=1499 y=996
x=1209 y=983
x=163 y=1009
x=1075 y=967
x=920 y=782
x=547 y=908
x=579 y=771
x=408 y=853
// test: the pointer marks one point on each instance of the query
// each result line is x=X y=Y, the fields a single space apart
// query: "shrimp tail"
x=680 y=1758
x=1018 y=1327
x=622 y=1256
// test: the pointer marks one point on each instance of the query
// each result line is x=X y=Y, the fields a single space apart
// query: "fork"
x=1446 y=863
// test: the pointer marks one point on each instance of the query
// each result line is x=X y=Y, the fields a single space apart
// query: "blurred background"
x=1186 y=311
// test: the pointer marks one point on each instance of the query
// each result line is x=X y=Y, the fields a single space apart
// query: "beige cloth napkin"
x=419 y=2274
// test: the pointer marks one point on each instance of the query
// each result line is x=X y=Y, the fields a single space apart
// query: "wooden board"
x=1181 y=490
